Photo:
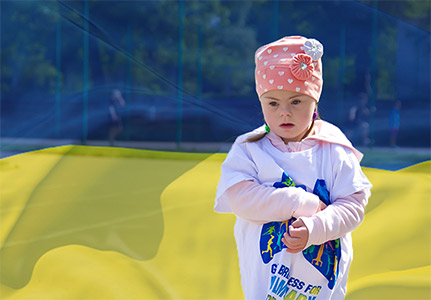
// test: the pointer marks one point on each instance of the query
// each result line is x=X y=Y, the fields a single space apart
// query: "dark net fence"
x=182 y=71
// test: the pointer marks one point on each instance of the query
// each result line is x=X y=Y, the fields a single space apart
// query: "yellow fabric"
x=81 y=222
x=392 y=247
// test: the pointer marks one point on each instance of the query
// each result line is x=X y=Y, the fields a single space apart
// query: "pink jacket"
x=336 y=220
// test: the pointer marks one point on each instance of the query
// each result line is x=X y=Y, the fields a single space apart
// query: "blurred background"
x=179 y=75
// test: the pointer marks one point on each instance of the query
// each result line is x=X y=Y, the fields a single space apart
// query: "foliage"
x=416 y=12
x=203 y=50
x=220 y=38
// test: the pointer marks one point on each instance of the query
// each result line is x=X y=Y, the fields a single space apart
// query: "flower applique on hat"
x=291 y=63
x=313 y=48
x=302 y=66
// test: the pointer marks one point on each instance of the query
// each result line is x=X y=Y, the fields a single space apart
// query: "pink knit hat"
x=292 y=63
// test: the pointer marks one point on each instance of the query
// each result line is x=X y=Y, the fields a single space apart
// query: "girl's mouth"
x=286 y=125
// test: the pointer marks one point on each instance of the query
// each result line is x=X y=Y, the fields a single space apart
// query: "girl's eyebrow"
x=271 y=98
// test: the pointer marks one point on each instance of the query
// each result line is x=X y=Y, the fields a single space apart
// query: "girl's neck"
x=309 y=131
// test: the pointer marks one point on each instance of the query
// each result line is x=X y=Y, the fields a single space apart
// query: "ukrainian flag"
x=81 y=222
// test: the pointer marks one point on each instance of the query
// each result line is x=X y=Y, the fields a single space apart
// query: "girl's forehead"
x=285 y=95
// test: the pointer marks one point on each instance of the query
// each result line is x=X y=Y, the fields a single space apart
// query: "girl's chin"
x=291 y=137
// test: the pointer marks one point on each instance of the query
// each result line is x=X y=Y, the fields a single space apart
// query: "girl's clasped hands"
x=297 y=236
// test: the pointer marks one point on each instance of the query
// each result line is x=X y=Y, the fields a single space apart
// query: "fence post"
x=58 y=79
x=180 y=71
x=85 y=75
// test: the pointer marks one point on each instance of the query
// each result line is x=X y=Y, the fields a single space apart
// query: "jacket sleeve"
x=254 y=202
x=338 y=219
x=350 y=192
x=240 y=192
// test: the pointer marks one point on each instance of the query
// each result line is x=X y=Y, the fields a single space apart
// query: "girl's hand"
x=297 y=238
x=321 y=207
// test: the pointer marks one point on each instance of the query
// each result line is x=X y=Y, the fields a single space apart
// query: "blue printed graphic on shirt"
x=324 y=258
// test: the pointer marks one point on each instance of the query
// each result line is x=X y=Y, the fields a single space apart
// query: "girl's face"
x=288 y=114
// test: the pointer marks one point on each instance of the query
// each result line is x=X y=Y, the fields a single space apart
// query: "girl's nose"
x=285 y=112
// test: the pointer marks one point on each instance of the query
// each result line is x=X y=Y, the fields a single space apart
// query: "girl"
x=295 y=184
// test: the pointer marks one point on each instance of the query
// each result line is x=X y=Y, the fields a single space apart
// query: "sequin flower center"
x=302 y=66
x=313 y=48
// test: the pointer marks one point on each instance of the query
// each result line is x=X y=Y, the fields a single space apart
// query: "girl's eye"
x=273 y=103
x=295 y=102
